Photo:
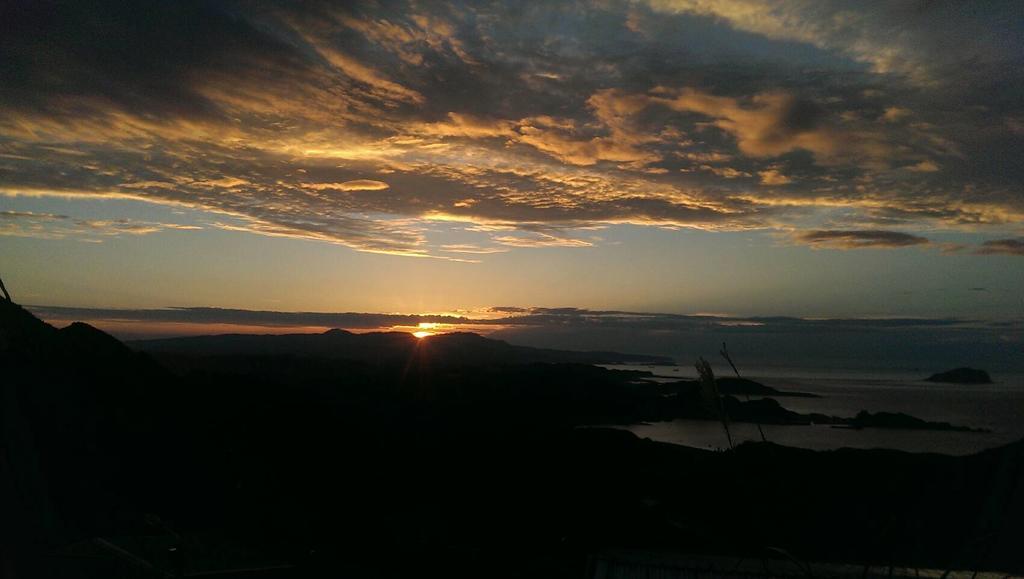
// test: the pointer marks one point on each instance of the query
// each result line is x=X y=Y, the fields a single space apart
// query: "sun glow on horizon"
x=425 y=329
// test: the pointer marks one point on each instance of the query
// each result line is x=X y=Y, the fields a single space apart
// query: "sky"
x=796 y=158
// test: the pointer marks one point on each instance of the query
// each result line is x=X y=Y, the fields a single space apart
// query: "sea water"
x=997 y=407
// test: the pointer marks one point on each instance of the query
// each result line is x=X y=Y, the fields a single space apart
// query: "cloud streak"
x=56 y=226
x=1002 y=247
x=851 y=239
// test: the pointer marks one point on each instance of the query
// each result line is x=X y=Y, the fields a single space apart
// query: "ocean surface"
x=997 y=407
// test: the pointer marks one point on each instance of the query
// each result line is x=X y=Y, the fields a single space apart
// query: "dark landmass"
x=752 y=388
x=961 y=376
x=330 y=467
x=769 y=411
x=746 y=387
x=456 y=348
x=865 y=419
x=653 y=402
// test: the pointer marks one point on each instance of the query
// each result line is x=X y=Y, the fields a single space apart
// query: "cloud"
x=774 y=177
x=920 y=43
x=540 y=240
x=895 y=114
x=30 y=215
x=725 y=172
x=539 y=317
x=410 y=38
x=716 y=115
x=618 y=139
x=584 y=151
x=465 y=125
x=1002 y=247
x=770 y=124
x=56 y=226
x=858 y=239
x=509 y=309
x=206 y=315
x=354 y=185
x=469 y=248
x=706 y=157
x=380 y=86
x=923 y=167
x=115 y=227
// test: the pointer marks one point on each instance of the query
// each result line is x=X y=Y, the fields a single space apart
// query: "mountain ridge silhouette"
x=453 y=348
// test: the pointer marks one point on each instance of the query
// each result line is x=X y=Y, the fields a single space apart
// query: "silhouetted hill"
x=28 y=342
x=457 y=348
x=90 y=341
x=961 y=376
x=83 y=415
x=20 y=331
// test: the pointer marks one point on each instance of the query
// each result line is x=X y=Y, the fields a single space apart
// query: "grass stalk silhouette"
x=725 y=354
x=710 y=396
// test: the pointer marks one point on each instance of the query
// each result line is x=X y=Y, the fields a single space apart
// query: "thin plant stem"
x=711 y=396
x=728 y=358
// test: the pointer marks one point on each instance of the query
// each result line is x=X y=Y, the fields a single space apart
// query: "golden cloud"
x=354 y=185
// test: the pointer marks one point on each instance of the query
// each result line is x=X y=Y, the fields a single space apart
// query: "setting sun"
x=425 y=329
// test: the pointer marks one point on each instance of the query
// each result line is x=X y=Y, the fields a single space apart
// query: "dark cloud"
x=203 y=315
x=512 y=316
x=56 y=226
x=146 y=58
x=855 y=239
x=800 y=115
x=1002 y=247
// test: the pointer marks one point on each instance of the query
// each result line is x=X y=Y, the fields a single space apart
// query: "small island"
x=961 y=376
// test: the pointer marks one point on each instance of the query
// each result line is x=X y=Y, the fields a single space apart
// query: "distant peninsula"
x=654 y=402
x=961 y=376
x=752 y=388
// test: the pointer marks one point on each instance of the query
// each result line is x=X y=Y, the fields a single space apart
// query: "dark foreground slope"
x=340 y=468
